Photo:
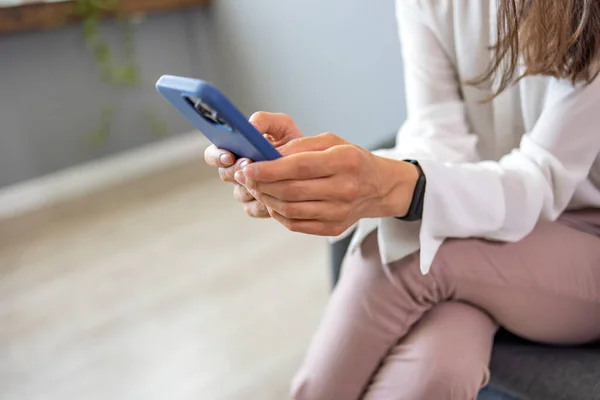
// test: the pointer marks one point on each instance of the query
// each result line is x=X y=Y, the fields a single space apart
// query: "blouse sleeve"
x=436 y=126
x=495 y=200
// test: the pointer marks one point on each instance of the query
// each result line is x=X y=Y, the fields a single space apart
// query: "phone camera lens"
x=210 y=114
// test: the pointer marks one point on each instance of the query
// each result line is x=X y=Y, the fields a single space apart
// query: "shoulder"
x=447 y=14
x=460 y=26
x=427 y=7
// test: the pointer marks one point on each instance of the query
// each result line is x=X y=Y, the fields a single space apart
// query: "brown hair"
x=558 y=38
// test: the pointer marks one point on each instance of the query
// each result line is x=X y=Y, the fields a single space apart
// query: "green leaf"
x=83 y=8
x=102 y=53
x=103 y=5
x=90 y=29
x=101 y=135
x=137 y=18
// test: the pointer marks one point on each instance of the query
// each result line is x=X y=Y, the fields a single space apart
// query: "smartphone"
x=216 y=117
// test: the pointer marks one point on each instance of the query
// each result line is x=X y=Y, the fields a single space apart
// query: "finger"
x=337 y=187
x=216 y=157
x=241 y=194
x=320 y=142
x=256 y=209
x=307 y=210
x=228 y=174
x=277 y=125
x=311 y=165
x=310 y=227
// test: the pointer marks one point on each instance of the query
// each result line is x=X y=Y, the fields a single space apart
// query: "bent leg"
x=366 y=315
x=444 y=356
x=545 y=288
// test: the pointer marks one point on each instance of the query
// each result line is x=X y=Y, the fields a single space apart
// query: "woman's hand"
x=279 y=129
x=324 y=184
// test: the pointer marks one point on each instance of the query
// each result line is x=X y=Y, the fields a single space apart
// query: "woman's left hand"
x=324 y=184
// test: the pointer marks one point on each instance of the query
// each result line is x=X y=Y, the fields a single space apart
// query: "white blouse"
x=493 y=169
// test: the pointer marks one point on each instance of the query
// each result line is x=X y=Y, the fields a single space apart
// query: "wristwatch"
x=415 y=210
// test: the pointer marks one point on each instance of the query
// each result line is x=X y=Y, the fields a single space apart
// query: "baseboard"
x=72 y=182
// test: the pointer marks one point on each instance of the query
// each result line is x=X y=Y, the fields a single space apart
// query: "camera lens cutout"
x=208 y=112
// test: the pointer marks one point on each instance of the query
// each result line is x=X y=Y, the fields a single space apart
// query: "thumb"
x=320 y=142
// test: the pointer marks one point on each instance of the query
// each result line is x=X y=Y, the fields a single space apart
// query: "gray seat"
x=523 y=370
x=533 y=371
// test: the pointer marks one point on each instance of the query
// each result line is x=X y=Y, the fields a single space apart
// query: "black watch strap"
x=415 y=211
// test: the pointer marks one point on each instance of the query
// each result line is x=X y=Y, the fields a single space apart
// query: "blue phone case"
x=216 y=117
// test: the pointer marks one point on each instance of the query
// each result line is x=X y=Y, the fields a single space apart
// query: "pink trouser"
x=391 y=333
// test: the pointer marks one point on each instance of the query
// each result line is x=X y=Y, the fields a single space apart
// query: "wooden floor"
x=157 y=289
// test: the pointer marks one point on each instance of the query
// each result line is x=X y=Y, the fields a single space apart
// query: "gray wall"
x=51 y=96
x=333 y=65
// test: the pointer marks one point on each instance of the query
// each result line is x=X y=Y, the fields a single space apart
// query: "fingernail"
x=249 y=171
x=226 y=159
x=239 y=177
x=269 y=137
x=244 y=163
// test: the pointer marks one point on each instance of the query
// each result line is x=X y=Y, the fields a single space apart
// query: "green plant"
x=100 y=136
x=119 y=70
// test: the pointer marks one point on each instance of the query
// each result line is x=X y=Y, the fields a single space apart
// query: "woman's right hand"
x=279 y=129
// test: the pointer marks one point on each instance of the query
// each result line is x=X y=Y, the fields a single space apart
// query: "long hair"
x=558 y=38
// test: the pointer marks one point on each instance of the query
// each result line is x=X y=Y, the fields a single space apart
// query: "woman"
x=501 y=194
